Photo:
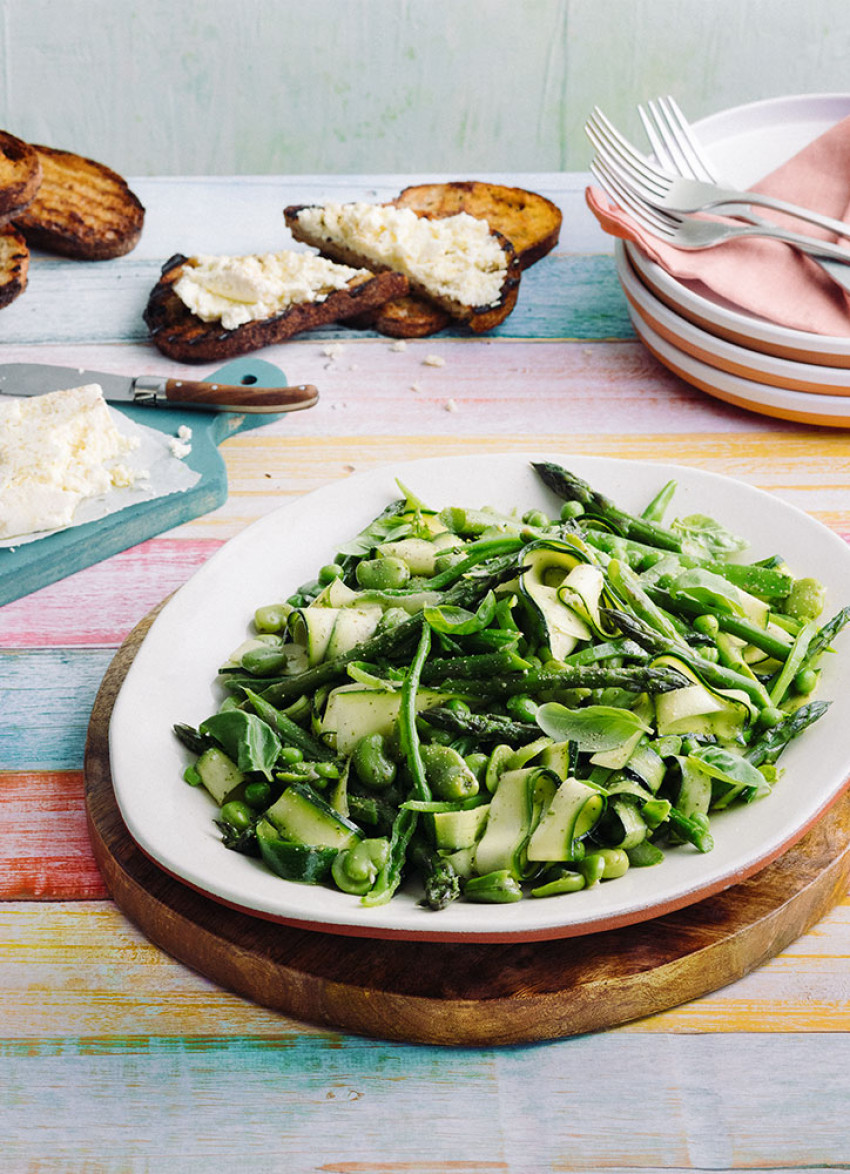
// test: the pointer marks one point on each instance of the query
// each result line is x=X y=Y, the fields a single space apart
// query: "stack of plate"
x=716 y=346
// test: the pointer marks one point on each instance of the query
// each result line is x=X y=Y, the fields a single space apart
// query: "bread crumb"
x=451 y=405
x=434 y=361
x=398 y=345
x=415 y=387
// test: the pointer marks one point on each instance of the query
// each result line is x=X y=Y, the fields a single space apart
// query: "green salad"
x=496 y=707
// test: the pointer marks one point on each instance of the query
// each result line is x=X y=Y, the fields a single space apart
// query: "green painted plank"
x=325 y=1102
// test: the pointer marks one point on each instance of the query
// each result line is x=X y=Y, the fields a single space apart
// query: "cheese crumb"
x=178 y=448
x=398 y=345
x=451 y=405
x=434 y=361
x=55 y=451
x=333 y=350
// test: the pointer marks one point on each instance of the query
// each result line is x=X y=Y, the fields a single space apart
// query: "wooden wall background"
x=228 y=87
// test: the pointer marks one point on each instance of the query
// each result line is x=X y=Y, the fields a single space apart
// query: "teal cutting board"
x=35 y=564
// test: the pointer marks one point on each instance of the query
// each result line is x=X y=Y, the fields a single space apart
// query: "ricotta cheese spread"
x=457 y=257
x=55 y=450
x=236 y=290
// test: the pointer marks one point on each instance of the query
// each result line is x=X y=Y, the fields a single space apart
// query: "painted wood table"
x=117 y=1057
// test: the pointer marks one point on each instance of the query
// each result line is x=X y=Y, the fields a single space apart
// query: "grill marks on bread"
x=82 y=209
x=14 y=264
x=20 y=175
x=182 y=335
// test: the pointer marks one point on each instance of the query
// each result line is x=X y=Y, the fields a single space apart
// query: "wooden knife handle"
x=224 y=397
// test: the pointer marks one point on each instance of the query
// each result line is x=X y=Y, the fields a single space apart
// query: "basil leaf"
x=720 y=763
x=708 y=589
x=709 y=534
x=595 y=727
x=244 y=737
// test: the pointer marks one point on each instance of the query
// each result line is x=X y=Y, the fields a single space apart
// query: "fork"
x=688 y=232
x=679 y=194
x=677 y=148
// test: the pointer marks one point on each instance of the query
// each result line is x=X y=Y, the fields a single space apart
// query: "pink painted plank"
x=101 y=604
x=45 y=850
x=45 y=853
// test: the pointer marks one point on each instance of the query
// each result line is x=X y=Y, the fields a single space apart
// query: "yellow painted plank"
x=81 y=969
x=809 y=468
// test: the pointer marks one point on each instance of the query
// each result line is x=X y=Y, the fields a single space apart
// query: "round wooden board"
x=462 y=994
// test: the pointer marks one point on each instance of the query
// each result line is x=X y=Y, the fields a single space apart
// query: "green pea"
x=271 y=618
x=805 y=681
x=258 y=795
x=769 y=717
x=457 y=705
x=571 y=509
x=289 y=755
x=522 y=707
x=378 y=574
x=371 y=763
x=329 y=572
x=707 y=625
x=237 y=815
x=191 y=776
x=536 y=518
x=447 y=774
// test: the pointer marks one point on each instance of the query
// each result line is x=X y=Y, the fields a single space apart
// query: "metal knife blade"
x=18 y=379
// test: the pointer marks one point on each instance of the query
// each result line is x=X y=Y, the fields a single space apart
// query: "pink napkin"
x=766 y=277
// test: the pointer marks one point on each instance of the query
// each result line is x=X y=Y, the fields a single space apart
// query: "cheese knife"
x=17 y=379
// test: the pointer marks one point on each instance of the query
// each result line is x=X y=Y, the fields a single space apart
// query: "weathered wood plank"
x=481 y=1114
x=45 y=852
x=99 y=605
x=123 y=986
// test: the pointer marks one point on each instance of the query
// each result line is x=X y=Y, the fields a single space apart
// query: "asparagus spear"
x=572 y=488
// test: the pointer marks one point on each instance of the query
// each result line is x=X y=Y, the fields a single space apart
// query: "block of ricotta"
x=56 y=450
x=457 y=262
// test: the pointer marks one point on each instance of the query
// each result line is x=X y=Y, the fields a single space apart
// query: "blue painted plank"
x=324 y=1102
x=564 y=296
x=46 y=704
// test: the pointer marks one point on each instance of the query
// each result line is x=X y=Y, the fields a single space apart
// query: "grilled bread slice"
x=20 y=175
x=531 y=222
x=183 y=335
x=82 y=209
x=14 y=264
x=465 y=269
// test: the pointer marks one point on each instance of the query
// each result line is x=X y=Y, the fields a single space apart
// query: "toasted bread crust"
x=14 y=264
x=181 y=335
x=407 y=317
x=20 y=175
x=82 y=209
x=477 y=318
x=531 y=222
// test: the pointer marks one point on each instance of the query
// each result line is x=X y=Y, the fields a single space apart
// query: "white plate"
x=829 y=410
x=172 y=680
x=747 y=143
x=808 y=378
